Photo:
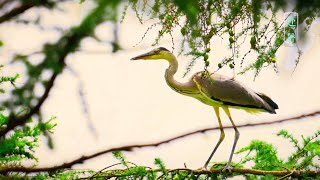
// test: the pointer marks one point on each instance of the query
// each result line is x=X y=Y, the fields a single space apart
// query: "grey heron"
x=214 y=90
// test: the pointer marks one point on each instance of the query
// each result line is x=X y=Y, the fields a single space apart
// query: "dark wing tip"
x=269 y=101
x=272 y=112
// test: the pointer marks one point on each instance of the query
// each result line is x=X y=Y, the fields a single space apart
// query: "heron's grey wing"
x=230 y=92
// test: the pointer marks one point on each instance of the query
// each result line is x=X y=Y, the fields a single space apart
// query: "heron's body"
x=214 y=90
x=217 y=90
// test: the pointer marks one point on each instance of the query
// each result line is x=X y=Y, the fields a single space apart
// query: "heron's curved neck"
x=185 y=88
x=173 y=68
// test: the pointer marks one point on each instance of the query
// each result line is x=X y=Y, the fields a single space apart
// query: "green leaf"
x=120 y=157
x=160 y=164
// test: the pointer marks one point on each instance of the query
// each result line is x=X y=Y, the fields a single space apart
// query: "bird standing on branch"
x=214 y=90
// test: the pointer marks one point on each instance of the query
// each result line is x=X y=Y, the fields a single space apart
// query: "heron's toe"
x=227 y=169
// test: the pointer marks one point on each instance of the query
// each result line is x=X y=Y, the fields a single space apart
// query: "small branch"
x=18 y=121
x=131 y=147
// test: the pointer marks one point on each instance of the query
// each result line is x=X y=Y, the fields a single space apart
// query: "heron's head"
x=155 y=54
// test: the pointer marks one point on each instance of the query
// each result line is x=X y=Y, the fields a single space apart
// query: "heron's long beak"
x=143 y=56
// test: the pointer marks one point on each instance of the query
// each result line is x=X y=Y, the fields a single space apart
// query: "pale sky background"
x=130 y=102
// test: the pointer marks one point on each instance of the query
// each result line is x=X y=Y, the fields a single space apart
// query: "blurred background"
x=104 y=100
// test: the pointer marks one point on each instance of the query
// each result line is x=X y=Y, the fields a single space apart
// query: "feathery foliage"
x=262 y=157
x=246 y=27
x=19 y=145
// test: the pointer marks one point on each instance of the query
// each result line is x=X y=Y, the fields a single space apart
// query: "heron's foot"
x=226 y=169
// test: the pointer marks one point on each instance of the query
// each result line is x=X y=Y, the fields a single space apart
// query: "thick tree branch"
x=16 y=11
x=244 y=171
x=3 y=3
x=287 y=173
x=131 y=147
x=24 y=6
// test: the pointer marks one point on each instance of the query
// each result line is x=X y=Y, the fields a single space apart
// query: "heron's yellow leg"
x=216 y=109
x=237 y=135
